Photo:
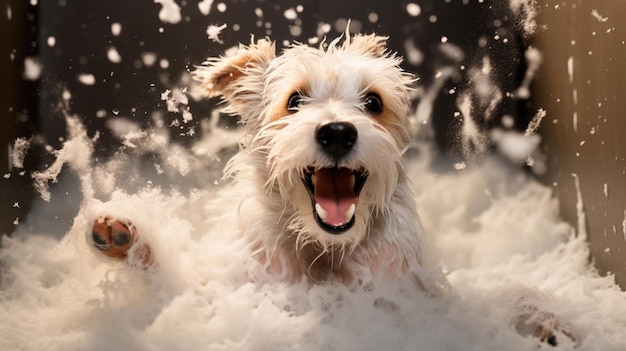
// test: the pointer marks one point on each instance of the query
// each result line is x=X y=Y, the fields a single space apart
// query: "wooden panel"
x=581 y=85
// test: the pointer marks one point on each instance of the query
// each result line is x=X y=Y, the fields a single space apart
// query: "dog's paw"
x=113 y=237
x=544 y=326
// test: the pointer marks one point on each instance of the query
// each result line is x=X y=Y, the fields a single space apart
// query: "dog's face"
x=330 y=126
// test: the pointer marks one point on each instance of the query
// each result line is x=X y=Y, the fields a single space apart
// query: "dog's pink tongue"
x=334 y=193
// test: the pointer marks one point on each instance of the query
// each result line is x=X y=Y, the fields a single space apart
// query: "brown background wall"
x=584 y=131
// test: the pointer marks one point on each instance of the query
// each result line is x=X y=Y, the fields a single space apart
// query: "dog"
x=319 y=182
x=319 y=172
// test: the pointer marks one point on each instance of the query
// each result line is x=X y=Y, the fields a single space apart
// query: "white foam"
x=214 y=31
x=598 y=16
x=526 y=10
x=290 y=14
x=113 y=55
x=116 y=29
x=87 y=78
x=170 y=11
x=205 y=6
x=493 y=225
x=32 y=68
x=18 y=152
x=413 y=9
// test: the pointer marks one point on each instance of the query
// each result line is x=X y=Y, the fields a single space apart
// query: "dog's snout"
x=337 y=139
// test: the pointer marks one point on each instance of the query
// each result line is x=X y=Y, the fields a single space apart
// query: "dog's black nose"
x=337 y=138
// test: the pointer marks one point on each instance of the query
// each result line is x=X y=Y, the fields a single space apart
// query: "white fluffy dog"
x=321 y=162
x=319 y=178
x=318 y=187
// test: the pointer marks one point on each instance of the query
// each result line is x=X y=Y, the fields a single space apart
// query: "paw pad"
x=112 y=237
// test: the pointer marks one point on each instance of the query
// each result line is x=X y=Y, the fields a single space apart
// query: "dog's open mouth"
x=334 y=194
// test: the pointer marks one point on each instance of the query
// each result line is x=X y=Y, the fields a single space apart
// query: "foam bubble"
x=170 y=11
x=113 y=55
x=32 y=68
x=87 y=79
x=116 y=29
x=205 y=6
x=413 y=9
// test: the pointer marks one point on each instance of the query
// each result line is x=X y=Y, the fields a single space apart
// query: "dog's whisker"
x=343 y=254
x=310 y=267
x=302 y=240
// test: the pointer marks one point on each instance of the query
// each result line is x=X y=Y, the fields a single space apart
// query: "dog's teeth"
x=350 y=211
x=321 y=212
x=313 y=178
x=353 y=178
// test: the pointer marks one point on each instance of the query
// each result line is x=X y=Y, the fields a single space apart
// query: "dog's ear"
x=238 y=77
x=372 y=44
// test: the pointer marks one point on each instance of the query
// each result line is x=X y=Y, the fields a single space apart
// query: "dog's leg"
x=115 y=238
x=543 y=325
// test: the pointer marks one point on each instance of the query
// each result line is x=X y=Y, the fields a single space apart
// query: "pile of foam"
x=497 y=230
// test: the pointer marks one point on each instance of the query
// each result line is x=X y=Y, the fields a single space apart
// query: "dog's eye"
x=373 y=103
x=294 y=102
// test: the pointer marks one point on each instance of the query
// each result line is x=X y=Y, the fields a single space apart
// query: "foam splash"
x=205 y=6
x=213 y=32
x=170 y=11
x=18 y=152
x=527 y=11
x=76 y=152
x=497 y=230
